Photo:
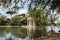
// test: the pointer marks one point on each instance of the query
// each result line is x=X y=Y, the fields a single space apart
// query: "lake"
x=9 y=35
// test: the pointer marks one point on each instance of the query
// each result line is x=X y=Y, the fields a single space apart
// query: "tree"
x=37 y=3
x=52 y=3
x=40 y=17
x=52 y=6
x=8 y=21
x=8 y=4
x=55 y=4
x=20 y=20
x=3 y=20
x=52 y=19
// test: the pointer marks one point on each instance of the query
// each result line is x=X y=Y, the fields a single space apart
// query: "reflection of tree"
x=15 y=31
x=2 y=31
x=9 y=38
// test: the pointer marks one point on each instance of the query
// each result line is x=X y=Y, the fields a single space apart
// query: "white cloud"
x=23 y=11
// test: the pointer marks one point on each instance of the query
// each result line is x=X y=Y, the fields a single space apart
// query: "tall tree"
x=40 y=17
x=52 y=5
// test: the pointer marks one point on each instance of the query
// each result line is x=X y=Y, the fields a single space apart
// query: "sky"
x=20 y=11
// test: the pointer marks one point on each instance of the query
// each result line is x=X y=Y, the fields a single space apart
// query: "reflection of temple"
x=30 y=26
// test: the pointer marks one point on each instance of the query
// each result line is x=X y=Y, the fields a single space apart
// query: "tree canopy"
x=36 y=3
x=40 y=15
x=19 y=20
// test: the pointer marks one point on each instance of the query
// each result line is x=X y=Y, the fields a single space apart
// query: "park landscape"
x=29 y=19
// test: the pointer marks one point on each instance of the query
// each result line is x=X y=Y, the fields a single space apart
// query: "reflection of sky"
x=8 y=35
x=56 y=29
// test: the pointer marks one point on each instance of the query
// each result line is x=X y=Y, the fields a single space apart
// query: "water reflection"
x=55 y=28
x=9 y=35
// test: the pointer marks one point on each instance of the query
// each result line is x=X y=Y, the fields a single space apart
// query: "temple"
x=30 y=26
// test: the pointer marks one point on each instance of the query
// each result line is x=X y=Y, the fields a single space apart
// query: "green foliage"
x=7 y=21
x=2 y=20
x=19 y=20
x=39 y=3
x=40 y=15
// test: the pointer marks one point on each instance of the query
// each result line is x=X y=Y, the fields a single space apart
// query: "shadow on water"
x=9 y=36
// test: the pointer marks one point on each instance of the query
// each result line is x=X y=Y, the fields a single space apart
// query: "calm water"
x=55 y=28
x=8 y=35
